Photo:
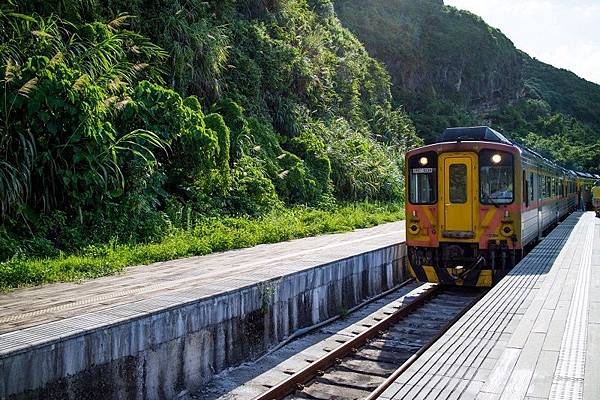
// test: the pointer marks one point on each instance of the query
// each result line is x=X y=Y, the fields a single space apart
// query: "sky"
x=564 y=33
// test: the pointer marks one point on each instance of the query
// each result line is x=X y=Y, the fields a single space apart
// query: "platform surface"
x=180 y=280
x=536 y=335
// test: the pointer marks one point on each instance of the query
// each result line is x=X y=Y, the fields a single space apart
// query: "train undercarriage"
x=463 y=263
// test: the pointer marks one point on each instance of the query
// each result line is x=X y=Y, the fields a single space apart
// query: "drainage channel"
x=362 y=367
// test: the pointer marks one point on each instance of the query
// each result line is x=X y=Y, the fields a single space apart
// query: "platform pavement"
x=536 y=335
x=189 y=277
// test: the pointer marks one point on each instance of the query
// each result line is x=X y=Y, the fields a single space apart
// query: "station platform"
x=154 y=331
x=193 y=277
x=536 y=335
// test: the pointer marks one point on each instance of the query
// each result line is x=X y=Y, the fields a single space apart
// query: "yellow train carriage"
x=474 y=202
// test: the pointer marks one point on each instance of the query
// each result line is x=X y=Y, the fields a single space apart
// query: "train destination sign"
x=422 y=170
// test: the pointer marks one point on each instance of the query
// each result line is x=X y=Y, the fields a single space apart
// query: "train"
x=476 y=202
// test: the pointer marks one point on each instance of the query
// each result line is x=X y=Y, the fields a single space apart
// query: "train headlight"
x=414 y=228
x=496 y=158
x=507 y=231
x=423 y=161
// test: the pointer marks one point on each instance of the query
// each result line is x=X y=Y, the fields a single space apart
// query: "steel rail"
x=316 y=368
x=396 y=374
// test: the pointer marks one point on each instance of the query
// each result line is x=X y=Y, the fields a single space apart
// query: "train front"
x=462 y=211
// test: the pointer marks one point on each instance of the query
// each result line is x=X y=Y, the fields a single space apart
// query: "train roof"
x=473 y=133
x=487 y=134
x=586 y=175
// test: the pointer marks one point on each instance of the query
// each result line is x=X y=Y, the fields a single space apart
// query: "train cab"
x=474 y=201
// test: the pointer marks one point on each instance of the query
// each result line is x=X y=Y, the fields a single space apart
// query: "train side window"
x=531 y=187
x=542 y=186
x=561 y=187
x=422 y=187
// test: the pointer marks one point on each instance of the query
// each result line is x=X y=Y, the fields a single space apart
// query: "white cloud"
x=564 y=33
x=581 y=58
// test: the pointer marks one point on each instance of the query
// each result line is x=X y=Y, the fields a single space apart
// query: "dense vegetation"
x=125 y=121
x=450 y=68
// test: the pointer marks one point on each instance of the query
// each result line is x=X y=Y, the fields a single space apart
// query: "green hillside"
x=450 y=68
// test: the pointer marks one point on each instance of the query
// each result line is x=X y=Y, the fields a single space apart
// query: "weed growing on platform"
x=204 y=237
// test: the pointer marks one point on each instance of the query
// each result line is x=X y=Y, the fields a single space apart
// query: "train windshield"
x=496 y=177
x=423 y=178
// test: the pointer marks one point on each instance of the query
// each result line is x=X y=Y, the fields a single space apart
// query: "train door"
x=458 y=193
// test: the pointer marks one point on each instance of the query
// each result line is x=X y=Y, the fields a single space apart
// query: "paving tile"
x=543 y=321
x=591 y=386
x=518 y=382
x=487 y=396
x=556 y=328
x=541 y=382
x=497 y=379
x=594 y=312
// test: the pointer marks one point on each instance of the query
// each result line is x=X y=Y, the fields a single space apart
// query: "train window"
x=458 y=183
x=422 y=186
x=531 y=191
x=525 y=189
x=559 y=186
x=496 y=177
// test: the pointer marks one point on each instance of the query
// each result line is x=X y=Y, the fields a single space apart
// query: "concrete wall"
x=159 y=355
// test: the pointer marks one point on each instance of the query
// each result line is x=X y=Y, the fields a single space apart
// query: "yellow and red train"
x=476 y=201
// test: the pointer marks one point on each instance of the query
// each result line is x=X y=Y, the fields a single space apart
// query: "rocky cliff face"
x=435 y=51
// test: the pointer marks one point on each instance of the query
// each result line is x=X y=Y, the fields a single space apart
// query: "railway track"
x=365 y=365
